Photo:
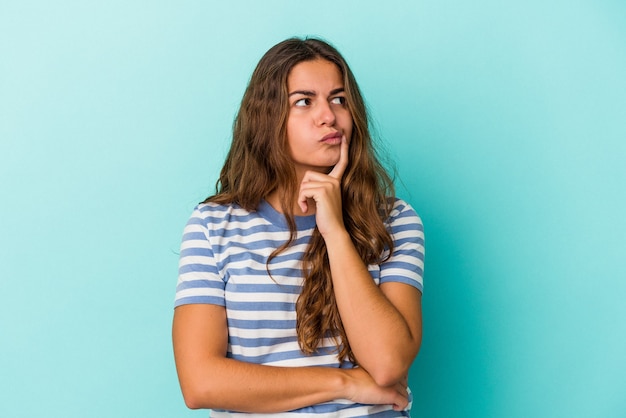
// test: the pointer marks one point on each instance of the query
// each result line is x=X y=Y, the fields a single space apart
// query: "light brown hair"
x=259 y=163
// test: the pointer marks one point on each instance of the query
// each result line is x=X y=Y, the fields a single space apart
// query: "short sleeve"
x=406 y=264
x=199 y=278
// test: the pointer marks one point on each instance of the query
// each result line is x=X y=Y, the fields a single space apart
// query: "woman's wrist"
x=346 y=388
x=337 y=237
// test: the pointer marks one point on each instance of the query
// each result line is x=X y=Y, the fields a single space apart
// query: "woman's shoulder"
x=400 y=207
x=208 y=212
x=402 y=213
x=209 y=208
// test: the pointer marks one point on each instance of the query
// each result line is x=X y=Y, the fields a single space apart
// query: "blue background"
x=506 y=122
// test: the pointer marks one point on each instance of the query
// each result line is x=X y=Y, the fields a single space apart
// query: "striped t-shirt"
x=223 y=260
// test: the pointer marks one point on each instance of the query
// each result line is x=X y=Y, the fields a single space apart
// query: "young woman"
x=299 y=290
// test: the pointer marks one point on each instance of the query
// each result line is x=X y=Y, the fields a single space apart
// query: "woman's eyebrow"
x=303 y=92
x=312 y=93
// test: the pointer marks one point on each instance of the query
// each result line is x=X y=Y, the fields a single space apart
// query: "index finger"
x=340 y=167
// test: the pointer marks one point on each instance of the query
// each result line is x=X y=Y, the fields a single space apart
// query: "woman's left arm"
x=383 y=324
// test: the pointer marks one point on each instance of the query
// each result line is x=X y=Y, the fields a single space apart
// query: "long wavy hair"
x=259 y=163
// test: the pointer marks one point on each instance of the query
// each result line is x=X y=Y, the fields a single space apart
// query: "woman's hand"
x=325 y=191
x=364 y=390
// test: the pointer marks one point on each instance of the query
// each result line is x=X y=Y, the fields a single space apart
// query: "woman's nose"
x=326 y=116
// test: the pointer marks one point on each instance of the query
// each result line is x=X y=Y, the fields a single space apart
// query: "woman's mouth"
x=333 y=138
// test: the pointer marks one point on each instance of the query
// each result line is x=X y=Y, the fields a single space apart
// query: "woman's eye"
x=302 y=102
x=340 y=100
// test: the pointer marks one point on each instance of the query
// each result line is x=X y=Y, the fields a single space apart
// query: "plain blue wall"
x=507 y=124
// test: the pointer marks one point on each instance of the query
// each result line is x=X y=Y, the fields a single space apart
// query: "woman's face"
x=318 y=115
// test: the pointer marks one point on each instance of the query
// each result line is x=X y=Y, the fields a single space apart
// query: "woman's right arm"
x=209 y=379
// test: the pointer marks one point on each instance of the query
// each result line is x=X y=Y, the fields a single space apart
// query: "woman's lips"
x=332 y=138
